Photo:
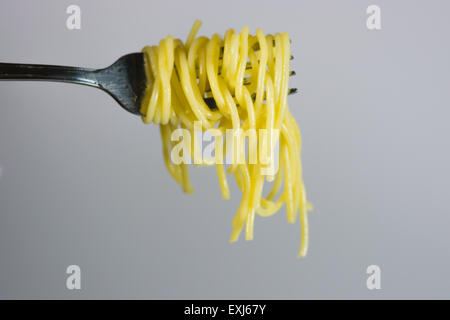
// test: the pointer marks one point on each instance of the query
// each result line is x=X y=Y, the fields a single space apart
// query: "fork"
x=125 y=80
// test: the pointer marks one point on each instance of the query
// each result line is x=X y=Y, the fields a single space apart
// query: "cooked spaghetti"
x=247 y=76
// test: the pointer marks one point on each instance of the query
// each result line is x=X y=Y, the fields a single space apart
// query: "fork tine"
x=247 y=81
x=292 y=91
x=248 y=65
x=255 y=47
x=213 y=106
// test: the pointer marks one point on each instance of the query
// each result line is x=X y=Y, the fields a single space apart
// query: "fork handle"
x=40 y=72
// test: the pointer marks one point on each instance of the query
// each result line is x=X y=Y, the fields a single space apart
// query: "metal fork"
x=125 y=80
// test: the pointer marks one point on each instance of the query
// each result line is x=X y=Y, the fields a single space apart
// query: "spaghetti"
x=247 y=76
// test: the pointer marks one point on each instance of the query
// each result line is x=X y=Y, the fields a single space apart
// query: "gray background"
x=83 y=182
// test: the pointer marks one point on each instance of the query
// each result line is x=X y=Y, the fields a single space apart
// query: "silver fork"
x=125 y=80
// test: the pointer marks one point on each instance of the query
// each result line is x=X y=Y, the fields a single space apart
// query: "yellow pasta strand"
x=247 y=76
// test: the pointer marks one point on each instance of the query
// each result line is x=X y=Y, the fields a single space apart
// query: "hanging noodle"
x=247 y=76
